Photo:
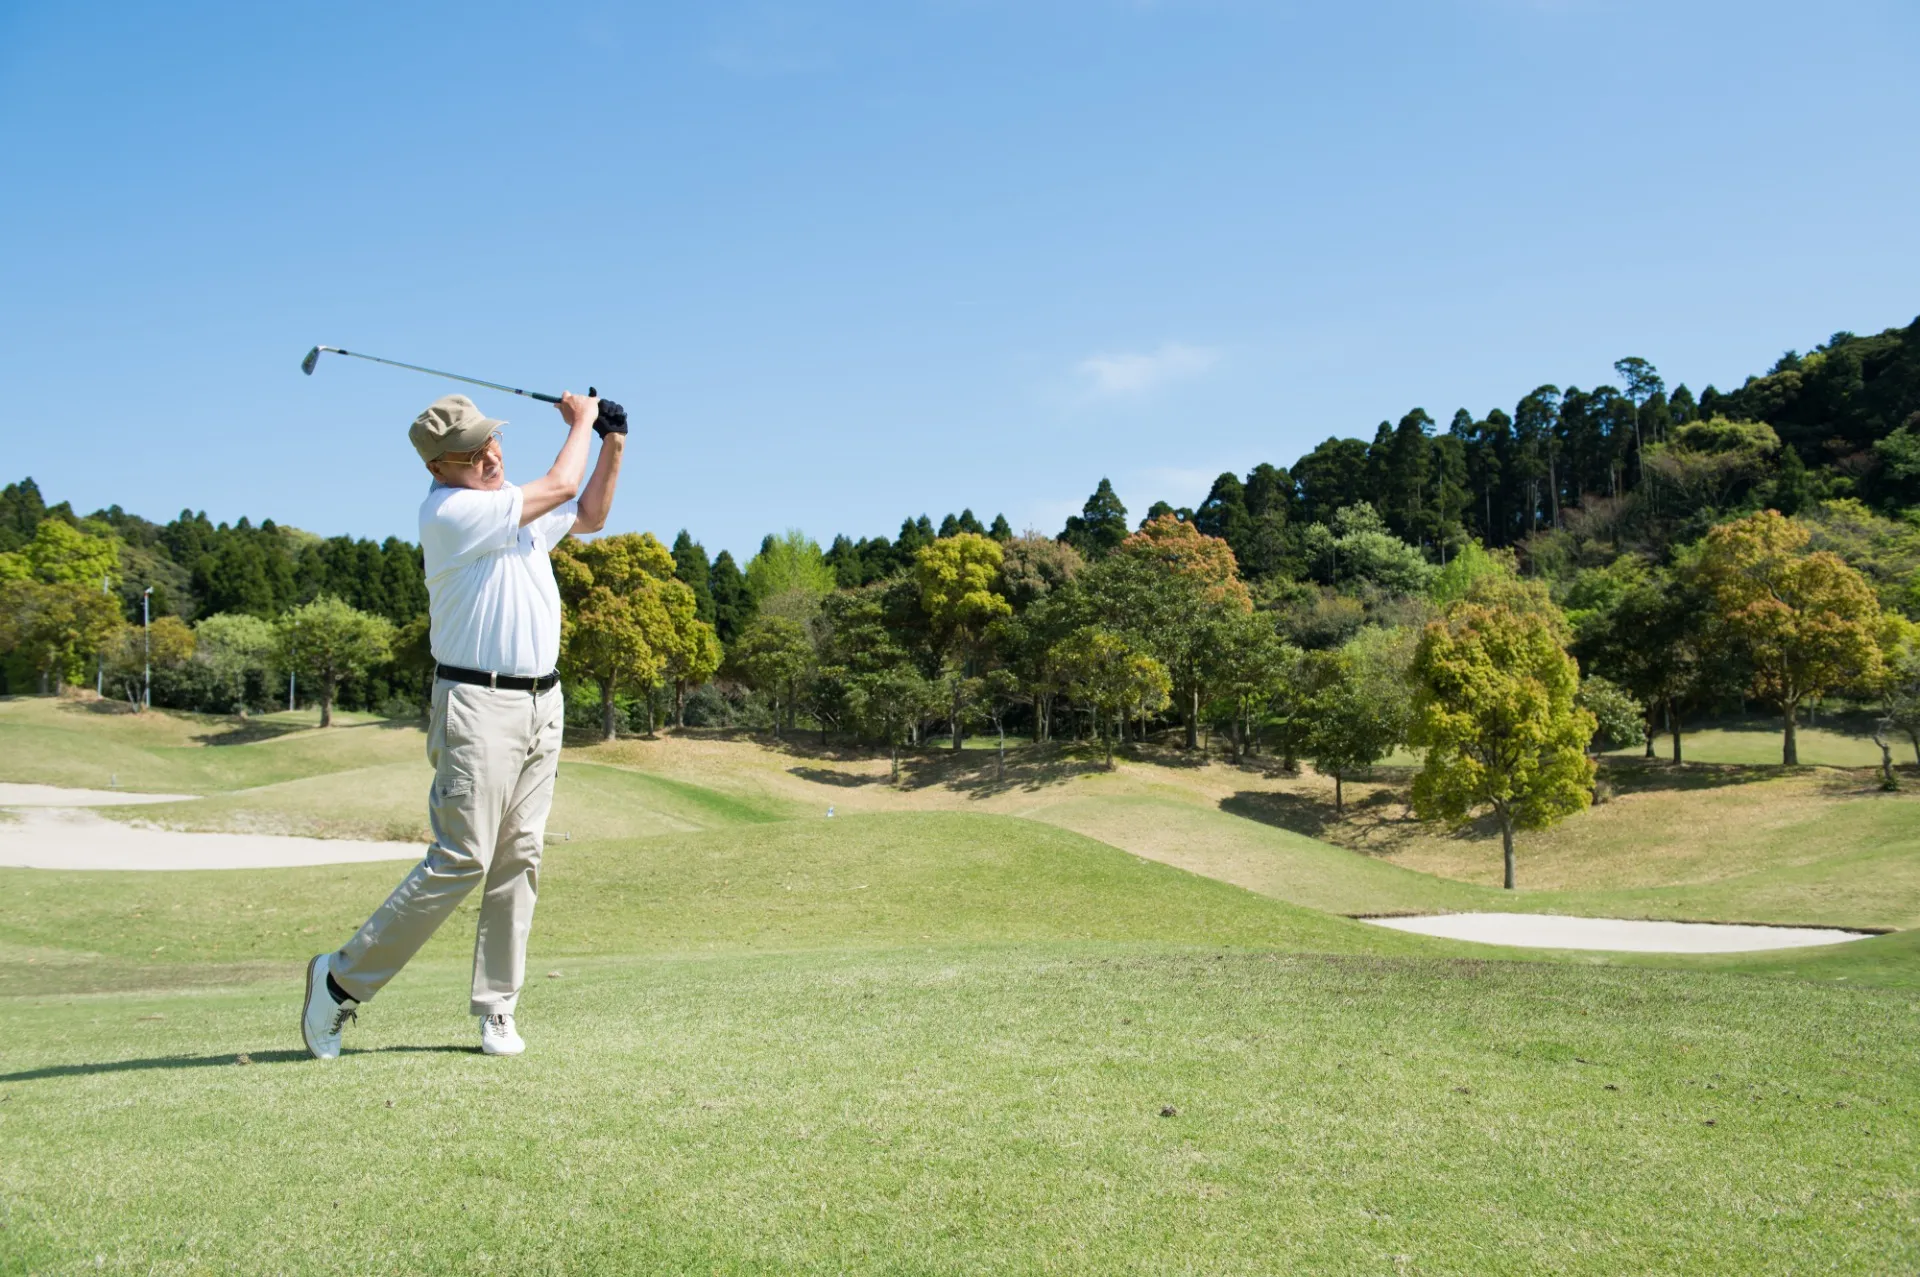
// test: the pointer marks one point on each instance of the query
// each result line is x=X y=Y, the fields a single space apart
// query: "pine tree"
x=1101 y=524
x=732 y=608
x=690 y=565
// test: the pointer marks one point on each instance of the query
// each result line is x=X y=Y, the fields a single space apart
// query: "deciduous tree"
x=625 y=614
x=1171 y=588
x=1494 y=709
x=775 y=654
x=958 y=576
x=1112 y=678
x=1359 y=706
x=1806 y=622
x=55 y=630
x=327 y=641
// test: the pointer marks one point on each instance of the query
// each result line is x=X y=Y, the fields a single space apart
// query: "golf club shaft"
x=452 y=376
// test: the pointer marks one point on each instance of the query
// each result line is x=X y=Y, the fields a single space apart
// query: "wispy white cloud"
x=1139 y=372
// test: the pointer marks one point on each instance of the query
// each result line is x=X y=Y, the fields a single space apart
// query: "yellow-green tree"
x=327 y=640
x=1494 y=709
x=56 y=629
x=61 y=554
x=623 y=610
x=1112 y=678
x=696 y=658
x=165 y=645
x=1805 y=621
x=958 y=576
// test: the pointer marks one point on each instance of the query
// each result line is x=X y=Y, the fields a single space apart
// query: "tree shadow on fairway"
x=839 y=779
x=1375 y=822
x=216 y=1061
x=1647 y=775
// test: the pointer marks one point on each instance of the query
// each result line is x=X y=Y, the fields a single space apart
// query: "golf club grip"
x=534 y=394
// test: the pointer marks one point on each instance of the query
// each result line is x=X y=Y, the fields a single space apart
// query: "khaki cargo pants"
x=494 y=754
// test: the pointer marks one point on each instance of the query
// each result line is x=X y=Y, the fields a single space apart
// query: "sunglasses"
x=473 y=458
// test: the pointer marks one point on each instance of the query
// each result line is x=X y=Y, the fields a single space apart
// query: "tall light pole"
x=146 y=637
x=290 y=677
x=100 y=657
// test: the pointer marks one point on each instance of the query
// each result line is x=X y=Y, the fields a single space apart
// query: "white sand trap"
x=1622 y=935
x=68 y=838
x=12 y=795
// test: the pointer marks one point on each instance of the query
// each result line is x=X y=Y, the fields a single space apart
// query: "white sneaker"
x=321 y=1018
x=498 y=1036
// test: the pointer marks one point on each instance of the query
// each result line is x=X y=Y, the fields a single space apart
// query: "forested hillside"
x=1627 y=516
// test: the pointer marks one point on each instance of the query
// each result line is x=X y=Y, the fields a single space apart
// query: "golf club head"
x=313 y=357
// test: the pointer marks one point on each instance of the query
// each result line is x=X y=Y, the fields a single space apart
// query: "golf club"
x=313 y=357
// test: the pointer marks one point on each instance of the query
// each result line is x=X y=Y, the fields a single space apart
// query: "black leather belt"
x=504 y=682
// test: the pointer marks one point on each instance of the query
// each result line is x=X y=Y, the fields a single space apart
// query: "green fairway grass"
x=932 y=1109
x=1273 y=861
x=938 y=1031
x=92 y=745
x=856 y=881
x=1758 y=740
x=389 y=801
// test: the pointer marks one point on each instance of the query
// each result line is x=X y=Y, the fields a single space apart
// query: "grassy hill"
x=1069 y=1020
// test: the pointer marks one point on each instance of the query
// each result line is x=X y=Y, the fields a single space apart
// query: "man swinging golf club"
x=494 y=734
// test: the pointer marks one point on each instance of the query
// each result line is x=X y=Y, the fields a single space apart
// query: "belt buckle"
x=493 y=680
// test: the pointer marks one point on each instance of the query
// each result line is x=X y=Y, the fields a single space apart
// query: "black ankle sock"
x=339 y=994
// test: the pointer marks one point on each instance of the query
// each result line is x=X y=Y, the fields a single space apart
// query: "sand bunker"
x=12 y=795
x=42 y=837
x=1621 y=935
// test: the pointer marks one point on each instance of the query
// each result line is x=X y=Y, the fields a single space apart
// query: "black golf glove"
x=612 y=420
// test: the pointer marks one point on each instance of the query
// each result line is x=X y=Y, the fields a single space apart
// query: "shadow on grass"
x=1374 y=822
x=978 y=773
x=1651 y=775
x=216 y=1061
x=828 y=776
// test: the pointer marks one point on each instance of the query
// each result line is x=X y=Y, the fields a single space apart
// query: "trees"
x=1710 y=465
x=695 y=658
x=625 y=614
x=775 y=655
x=1358 y=547
x=1032 y=566
x=956 y=576
x=789 y=564
x=54 y=630
x=732 y=605
x=162 y=647
x=1111 y=677
x=1358 y=706
x=237 y=652
x=885 y=704
x=1169 y=588
x=1900 y=681
x=1650 y=633
x=1619 y=720
x=1251 y=658
x=327 y=641
x=1642 y=383
x=1100 y=526
x=1806 y=622
x=1494 y=709
x=690 y=565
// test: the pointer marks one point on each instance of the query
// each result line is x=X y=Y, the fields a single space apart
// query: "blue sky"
x=849 y=263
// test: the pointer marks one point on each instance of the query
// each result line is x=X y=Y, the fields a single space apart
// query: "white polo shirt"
x=492 y=600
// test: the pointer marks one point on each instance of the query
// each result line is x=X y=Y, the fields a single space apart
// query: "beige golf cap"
x=451 y=423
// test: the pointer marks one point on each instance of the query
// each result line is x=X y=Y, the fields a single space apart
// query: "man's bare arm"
x=597 y=499
x=561 y=484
